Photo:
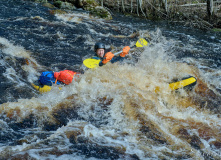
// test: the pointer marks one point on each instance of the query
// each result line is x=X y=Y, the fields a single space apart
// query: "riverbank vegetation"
x=202 y=14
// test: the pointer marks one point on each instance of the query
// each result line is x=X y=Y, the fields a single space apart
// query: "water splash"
x=113 y=111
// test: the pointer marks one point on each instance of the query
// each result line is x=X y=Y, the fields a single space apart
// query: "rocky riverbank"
x=194 y=15
x=65 y=6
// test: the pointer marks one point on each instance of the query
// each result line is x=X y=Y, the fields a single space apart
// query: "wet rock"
x=72 y=1
x=48 y=126
x=8 y=135
x=82 y=139
x=28 y=122
x=21 y=141
x=41 y=1
x=38 y=18
x=48 y=5
x=89 y=2
x=53 y=12
x=89 y=5
x=64 y=5
x=98 y=11
x=217 y=144
x=206 y=97
x=2 y=46
x=77 y=3
x=195 y=142
x=22 y=156
x=96 y=151
x=58 y=4
x=195 y=17
x=184 y=133
x=152 y=133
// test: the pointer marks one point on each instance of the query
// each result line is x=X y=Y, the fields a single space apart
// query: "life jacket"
x=96 y=57
x=65 y=76
x=47 y=78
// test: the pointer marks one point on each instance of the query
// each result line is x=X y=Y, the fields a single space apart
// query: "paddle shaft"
x=117 y=53
x=121 y=51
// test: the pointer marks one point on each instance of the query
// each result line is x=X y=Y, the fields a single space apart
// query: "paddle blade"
x=189 y=81
x=185 y=83
x=141 y=42
x=91 y=63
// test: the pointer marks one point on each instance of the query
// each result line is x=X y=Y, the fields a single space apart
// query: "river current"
x=114 y=111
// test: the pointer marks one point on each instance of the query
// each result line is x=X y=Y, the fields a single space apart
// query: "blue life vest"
x=47 y=78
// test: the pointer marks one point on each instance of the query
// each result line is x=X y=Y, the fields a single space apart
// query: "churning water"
x=111 y=112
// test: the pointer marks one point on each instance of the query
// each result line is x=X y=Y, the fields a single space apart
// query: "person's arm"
x=109 y=56
x=125 y=51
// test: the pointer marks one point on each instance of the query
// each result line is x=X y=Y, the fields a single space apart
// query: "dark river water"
x=114 y=111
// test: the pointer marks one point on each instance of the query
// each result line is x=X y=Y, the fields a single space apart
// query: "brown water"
x=111 y=112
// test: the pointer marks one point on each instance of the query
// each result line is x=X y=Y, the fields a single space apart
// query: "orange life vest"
x=65 y=76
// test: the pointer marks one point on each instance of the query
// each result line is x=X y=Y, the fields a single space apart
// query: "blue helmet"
x=99 y=45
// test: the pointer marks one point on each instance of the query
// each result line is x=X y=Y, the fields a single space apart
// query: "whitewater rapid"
x=112 y=112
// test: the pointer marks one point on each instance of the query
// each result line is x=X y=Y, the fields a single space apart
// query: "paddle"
x=185 y=82
x=92 y=63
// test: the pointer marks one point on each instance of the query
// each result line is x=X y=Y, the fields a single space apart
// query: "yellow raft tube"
x=42 y=89
x=185 y=82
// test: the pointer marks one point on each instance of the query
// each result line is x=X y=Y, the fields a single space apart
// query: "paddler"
x=106 y=56
x=66 y=76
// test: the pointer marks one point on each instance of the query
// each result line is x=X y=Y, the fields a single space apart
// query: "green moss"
x=57 y=12
x=216 y=29
x=64 y=5
x=91 y=2
x=195 y=2
x=57 y=4
x=98 y=12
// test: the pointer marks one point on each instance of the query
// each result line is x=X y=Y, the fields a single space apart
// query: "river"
x=111 y=112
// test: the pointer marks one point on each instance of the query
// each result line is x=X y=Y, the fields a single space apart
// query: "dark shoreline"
x=189 y=15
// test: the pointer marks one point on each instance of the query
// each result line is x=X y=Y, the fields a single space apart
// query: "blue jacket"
x=113 y=60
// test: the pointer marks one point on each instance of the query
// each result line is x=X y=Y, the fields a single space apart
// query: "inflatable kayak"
x=187 y=82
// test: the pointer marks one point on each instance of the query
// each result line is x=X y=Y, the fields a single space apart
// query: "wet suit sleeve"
x=113 y=60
